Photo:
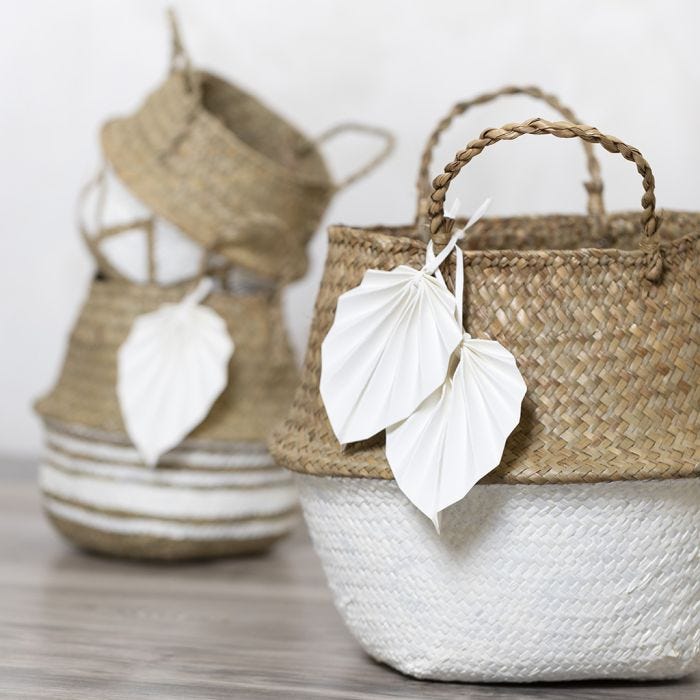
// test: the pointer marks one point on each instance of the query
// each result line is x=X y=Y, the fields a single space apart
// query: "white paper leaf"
x=457 y=435
x=388 y=349
x=171 y=369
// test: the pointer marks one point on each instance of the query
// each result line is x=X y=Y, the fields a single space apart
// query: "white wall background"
x=630 y=68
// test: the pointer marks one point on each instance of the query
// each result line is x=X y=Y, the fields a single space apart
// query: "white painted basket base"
x=526 y=583
x=204 y=503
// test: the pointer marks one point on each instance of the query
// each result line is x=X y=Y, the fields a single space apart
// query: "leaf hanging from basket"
x=389 y=346
x=388 y=349
x=457 y=435
x=171 y=369
x=396 y=358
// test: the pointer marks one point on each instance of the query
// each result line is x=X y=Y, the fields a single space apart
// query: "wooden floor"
x=76 y=627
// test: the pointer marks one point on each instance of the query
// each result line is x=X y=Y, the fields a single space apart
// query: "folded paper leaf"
x=388 y=349
x=171 y=369
x=457 y=435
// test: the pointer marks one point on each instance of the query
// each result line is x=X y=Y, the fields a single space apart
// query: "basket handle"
x=92 y=242
x=179 y=58
x=146 y=224
x=594 y=186
x=649 y=240
x=351 y=127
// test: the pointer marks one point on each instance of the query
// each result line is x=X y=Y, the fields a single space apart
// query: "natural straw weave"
x=262 y=373
x=606 y=339
x=226 y=170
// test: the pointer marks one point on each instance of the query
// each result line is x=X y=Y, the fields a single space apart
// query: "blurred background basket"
x=203 y=180
x=219 y=492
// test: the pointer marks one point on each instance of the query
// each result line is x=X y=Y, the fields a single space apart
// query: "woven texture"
x=226 y=170
x=229 y=172
x=198 y=503
x=607 y=340
x=262 y=373
x=526 y=583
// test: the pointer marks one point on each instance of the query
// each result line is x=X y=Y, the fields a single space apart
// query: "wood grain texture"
x=74 y=627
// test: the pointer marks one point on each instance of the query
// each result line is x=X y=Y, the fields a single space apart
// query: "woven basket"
x=219 y=492
x=578 y=557
x=226 y=170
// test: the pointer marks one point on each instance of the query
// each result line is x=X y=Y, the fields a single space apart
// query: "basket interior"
x=262 y=130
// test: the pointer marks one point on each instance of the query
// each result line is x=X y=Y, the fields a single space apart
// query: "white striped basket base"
x=199 y=503
x=526 y=583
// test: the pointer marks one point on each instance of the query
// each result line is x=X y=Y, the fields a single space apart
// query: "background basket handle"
x=146 y=225
x=594 y=186
x=100 y=232
x=95 y=233
x=649 y=243
x=386 y=136
x=179 y=58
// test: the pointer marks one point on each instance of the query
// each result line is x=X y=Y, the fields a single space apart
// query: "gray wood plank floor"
x=74 y=627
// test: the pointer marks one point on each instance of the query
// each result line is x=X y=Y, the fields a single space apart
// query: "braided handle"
x=386 y=151
x=594 y=186
x=649 y=243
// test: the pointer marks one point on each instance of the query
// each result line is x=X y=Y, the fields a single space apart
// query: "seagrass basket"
x=219 y=492
x=578 y=557
x=221 y=166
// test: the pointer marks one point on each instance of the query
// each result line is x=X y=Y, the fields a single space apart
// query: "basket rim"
x=392 y=237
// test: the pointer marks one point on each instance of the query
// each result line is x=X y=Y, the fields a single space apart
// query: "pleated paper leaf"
x=171 y=369
x=457 y=435
x=388 y=349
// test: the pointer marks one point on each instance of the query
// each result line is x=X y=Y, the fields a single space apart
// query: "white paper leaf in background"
x=388 y=349
x=171 y=369
x=457 y=435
